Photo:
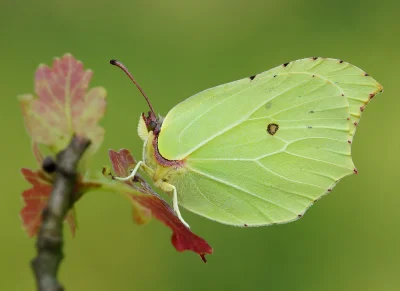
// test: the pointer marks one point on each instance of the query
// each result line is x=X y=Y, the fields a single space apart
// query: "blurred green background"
x=349 y=240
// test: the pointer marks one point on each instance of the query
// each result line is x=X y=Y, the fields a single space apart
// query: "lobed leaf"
x=64 y=105
x=36 y=199
x=147 y=203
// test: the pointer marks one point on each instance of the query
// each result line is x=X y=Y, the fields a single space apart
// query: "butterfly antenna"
x=123 y=68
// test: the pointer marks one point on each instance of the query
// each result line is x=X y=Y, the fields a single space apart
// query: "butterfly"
x=260 y=150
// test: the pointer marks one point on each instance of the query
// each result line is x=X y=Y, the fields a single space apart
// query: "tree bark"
x=50 y=238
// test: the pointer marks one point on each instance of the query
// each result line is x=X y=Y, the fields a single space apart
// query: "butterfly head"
x=152 y=122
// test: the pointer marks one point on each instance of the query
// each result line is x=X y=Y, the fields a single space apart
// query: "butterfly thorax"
x=160 y=168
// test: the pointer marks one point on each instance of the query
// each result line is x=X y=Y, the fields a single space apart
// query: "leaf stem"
x=50 y=238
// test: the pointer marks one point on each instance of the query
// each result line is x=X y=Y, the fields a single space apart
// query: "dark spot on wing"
x=340 y=61
x=274 y=76
x=309 y=127
x=312 y=111
x=371 y=95
x=252 y=77
x=342 y=94
x=285 y=64
x=299 y=215
x=313 y=76
x=365 y=74
x=314 y=58
x=272 y=128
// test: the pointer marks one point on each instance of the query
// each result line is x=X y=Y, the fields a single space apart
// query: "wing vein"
x=235 y=124
x=300 y=104
x=222 y=101
x=205 y=197
x=287 y=179
x=244 y=191
x=312 y=159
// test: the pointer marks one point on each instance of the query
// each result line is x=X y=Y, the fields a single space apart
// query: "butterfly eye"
x=152 y=125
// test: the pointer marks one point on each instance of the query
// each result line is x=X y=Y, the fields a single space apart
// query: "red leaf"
x=36 y=199
x=182 y=238
x=121 y=161
x=64 y=106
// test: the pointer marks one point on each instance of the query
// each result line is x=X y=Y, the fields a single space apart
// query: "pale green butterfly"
x=260 y=150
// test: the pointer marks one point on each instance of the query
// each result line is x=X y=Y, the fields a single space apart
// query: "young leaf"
x=147 y=203
x=64 y=106
x=35 y=199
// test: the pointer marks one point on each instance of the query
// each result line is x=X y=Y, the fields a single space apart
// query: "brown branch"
x=50 y=238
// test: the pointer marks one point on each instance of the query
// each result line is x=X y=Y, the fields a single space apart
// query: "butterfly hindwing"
x=262 y=149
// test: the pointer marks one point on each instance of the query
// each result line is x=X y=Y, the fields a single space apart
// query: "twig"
x=50 y=238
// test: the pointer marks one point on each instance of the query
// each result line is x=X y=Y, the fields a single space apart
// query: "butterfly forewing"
x=262 y=149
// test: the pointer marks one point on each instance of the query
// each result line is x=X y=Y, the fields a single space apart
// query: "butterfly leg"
x=171 y=188
x=133 y=173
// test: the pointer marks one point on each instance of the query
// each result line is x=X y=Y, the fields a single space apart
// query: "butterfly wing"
x=262 y=149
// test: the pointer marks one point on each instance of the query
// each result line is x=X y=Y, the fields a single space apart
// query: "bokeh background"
x=349 y=240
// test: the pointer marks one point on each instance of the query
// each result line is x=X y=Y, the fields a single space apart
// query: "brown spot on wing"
x=272 y=128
